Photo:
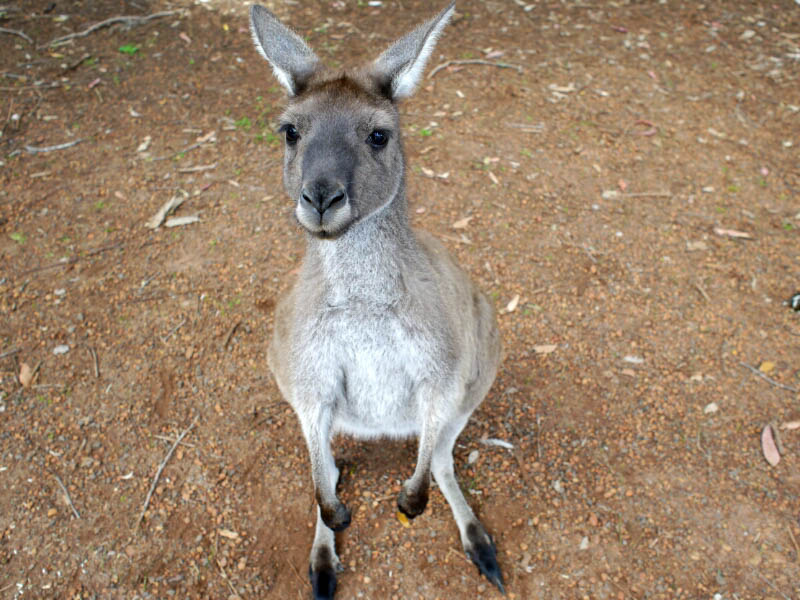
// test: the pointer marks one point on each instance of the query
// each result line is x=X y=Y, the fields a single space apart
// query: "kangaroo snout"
x=321 y=195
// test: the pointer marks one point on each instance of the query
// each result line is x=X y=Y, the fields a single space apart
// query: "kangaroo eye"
x=378 y=138
x=292 y=135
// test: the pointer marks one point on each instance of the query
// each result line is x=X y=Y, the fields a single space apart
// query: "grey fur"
x=382 y=334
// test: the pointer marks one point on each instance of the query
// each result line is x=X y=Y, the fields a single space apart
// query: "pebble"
x=473 y=456
x=62 y=349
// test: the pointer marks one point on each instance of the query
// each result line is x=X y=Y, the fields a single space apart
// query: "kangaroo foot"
x=336 y=517
x=481 y=551
x=412 y=504
x=322 y=573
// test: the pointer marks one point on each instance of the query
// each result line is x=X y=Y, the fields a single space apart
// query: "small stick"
x=35 y=149
x=173 y=330
x=21 y=34
x=473 y=61
x=230 y=334
x=133 y=20
x=11 y=352
x=703 y=293
x=169 y=439
x=161 y=468
x=794 y=542
x=647 y=194
x=96 y=365
x=66 y=495
x=767 y=379
x=228 y=581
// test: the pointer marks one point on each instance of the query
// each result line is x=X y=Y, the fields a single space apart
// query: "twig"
x=767 y=379
x=647 y=194
x=703 y=293
x=21 y=34
x=169 y=439
x=132 y=20
x=161 y=468
x=228 y=581
x=11 y=352
x=67 y=496
x=230 y=334
x=73 y=259
x=474 y=61
x=794 y=542
x=36 y=149
x=173 y=330
x=96 y=365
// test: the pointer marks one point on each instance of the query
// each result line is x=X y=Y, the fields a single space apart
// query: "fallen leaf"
x=767 y=366
x=733 y=233
x=768 y=446
x=25 y=374
x=497 y=442
x=634 y=360
x=711 y=407
x=227 y=533
x=427 y=172
x=494 y=178
x=699 y=245
x=545 y=348
x=791 y=425
x=512 y=306
x=403 y=519
x=178 y=221
x=61 y=349
x=185 y=37
x=145 y=144
x=209 y=137
x=462 y=223
x=622 y=185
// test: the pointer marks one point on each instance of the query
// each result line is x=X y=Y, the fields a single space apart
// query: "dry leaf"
x=767 y=366
x=227 y=533
x=545 y=348
x=427 y=172
x=768 y=446
x=25 y=374
x=145 y=144
x=733 y=233
x=462 y=223
x=403 y=519
x=512 y=306
x=494 y=178
x=791 y=425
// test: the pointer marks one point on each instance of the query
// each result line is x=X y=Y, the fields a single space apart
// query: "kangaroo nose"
x=322 y=197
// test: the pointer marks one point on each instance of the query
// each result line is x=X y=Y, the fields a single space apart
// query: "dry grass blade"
x=67 y=496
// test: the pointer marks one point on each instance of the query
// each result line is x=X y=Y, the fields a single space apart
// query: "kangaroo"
x=382 y=334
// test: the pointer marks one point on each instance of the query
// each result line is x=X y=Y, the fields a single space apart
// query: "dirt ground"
x=606 y=173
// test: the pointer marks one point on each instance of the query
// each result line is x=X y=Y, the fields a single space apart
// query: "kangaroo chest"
x=374 y=360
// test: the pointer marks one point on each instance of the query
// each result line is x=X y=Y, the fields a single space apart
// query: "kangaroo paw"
x=322 y=574
x=337 y=518
x=481 y=551
x=410 y=504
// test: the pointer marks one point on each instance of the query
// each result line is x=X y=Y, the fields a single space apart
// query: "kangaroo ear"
x=293 y=62
x=399 y=69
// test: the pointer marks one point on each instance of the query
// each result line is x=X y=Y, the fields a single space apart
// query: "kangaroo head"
x=343 y=159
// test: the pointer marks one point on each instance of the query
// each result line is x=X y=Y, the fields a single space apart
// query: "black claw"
x=323 y=582
x=484 y=555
